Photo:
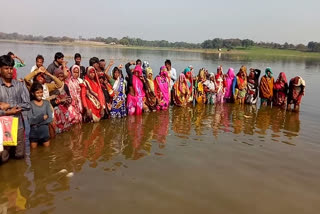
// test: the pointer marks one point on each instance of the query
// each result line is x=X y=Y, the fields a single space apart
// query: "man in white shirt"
x=173 y=75
x=172 y=72
x=39 y=63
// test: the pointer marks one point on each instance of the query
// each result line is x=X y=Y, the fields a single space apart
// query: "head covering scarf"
x=298 y=81
x=268 y=70
x=151 y=83
x=219 y=72
x=186 y=70
x=145 y=65
x=138 y=69
x=202 y=75
x=74 y=67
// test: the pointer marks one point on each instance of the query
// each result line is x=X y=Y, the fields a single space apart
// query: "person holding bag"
x=15 y=98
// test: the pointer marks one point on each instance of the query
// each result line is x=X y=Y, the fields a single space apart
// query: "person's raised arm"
x=21 y=62
x=53 y=86
x=257 y=73
x=111 y=63
x=65 y=68
x=31 y=75
x=129 y=72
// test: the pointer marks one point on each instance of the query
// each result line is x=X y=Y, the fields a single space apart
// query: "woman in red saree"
x=92 y=96
x=280 y=91
x=296 y=92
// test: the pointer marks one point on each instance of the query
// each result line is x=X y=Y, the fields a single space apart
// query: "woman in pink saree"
x=73 y=82
x=136 y=95
x=161 y=89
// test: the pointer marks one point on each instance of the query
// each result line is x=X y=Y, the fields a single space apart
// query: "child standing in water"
x=40 y=116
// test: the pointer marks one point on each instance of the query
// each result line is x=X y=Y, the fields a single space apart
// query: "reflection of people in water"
x=238 y=119
x=277 y=119
x=292 y=124
x=93 y=146
x=76 y=147
x=14 y=187
x=249 y=119
x=263 y=119
x=135 y=136
x=161 y=127
x=181 y=121
x=199 y=114
x=114 y=140
x=221 y=118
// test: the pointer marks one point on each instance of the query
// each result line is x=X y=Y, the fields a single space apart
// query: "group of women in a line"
x=244 y=88
x=66 y=99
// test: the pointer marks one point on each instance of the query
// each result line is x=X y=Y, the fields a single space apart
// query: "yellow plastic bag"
x=10 y=130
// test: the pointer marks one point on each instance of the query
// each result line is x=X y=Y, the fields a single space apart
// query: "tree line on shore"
x=216 y=43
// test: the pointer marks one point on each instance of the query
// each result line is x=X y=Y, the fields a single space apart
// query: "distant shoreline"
x=254 y=52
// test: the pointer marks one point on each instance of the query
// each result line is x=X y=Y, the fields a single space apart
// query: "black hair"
x=102 y=60
x=10 y=53
x=167 y=62
x=35 y=87
x=6 y=60
x=138 y=60
x=115 y=69
x=77 y=55
x=93 y=60
x=39 y=57
x=58 y=55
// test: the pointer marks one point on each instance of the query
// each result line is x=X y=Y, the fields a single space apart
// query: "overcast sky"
x=294 y=21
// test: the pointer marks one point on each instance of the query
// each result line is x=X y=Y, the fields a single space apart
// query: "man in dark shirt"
x=58 y=61
x=77 y=61
x=15 y=99
x=94 y=62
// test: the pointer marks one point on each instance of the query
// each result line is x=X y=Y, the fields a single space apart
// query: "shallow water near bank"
x=203 y=159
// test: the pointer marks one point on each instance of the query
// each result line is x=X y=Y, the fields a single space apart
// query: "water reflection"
x=36 y=182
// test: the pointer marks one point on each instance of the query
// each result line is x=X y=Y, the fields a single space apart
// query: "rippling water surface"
x=202 y=159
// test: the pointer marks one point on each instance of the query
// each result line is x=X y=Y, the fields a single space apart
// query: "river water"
x=202 y=159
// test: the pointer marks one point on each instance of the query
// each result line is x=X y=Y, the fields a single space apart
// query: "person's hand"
x=120 y=66
x=13 y=111
x=15 y=57
x=68 y=99
x=45 y=117
x=41 y=70
x=4 y=106
x=62 y=100
x=89 y=113
x=102 y=112
x=111 y=62
x=64 y=63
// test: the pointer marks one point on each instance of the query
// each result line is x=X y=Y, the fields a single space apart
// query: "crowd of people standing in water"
x=49 y=101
